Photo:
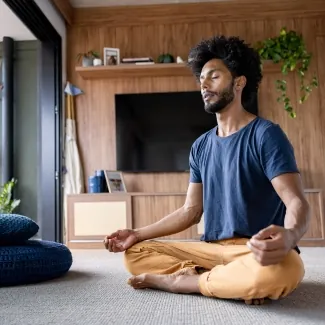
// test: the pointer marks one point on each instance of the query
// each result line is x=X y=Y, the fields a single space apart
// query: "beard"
x=225 y=97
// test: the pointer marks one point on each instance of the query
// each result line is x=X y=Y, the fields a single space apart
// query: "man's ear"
x=240 y=82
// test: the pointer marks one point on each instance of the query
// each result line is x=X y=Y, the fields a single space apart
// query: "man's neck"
x=232 y=120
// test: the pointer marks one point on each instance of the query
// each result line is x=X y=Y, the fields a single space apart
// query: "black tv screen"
x=155 y=131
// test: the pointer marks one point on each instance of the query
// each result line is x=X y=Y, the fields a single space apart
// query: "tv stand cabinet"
x=90 y=217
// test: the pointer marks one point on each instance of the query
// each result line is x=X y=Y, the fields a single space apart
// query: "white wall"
x=59 y=24
x=11 y=26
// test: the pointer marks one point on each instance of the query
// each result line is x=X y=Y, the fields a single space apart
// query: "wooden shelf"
x=135 y=71
x=150 y=70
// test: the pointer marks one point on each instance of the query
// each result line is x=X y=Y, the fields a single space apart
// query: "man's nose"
x=204 y=85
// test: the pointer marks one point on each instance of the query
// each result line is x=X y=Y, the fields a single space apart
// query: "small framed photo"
x=115 y=181
x=111 y=56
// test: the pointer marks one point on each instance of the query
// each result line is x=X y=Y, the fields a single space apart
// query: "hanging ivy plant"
x=289 y=50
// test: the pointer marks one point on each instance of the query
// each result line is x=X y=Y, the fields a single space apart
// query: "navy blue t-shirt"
x=236 y=172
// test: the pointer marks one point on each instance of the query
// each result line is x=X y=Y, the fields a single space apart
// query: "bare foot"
x=255 y=302
x=183 y=281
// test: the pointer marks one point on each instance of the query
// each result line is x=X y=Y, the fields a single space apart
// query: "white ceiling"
x=11 y=26
x=108 y=3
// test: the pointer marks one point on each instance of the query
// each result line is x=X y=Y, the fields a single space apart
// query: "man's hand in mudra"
x=120 y=240
x=271 y=244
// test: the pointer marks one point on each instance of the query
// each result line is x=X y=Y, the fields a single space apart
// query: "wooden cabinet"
x=91 y=217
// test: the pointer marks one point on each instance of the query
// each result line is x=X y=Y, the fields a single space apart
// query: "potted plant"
x=166 y=58
x=290 y=51
x=8 y=205
x=87 y=58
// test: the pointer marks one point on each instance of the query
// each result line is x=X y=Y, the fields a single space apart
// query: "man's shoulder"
x=263 y=124
x=266 y=128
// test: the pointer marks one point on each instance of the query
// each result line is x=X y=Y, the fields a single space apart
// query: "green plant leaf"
x=6 y=204
x=288 y=48
x=14 y=204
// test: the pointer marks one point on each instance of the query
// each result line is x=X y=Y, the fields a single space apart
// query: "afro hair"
x=238 y=57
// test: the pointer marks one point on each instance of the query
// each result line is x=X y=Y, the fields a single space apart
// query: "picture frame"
x=115 y=181
x=111 y=56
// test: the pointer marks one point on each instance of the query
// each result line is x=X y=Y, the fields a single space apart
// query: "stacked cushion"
x=15 y=229
x=23 y=260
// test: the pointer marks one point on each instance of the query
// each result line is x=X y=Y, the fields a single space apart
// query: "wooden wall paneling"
x=198 y=12
x=149 y=209
x=320 y=26
x=312 y=131
x=320 y=45
x=103 y=103
x=156 y=182
x=315 y=235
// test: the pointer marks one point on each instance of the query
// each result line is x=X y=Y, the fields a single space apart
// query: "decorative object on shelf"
x=289 y=49
x=7 y=204
x=166 y=58
x=93 y=184
x=115 y=181
x=111 y=56
x=143 y=60
x=102 y=181
x=87 y=58
x=179 y=60
x=97 y=182
x=97 y=62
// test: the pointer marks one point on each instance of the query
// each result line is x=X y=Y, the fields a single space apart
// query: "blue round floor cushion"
x=32 y=262
x=15 y=228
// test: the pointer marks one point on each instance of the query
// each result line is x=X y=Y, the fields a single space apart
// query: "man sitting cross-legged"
x=243 y=172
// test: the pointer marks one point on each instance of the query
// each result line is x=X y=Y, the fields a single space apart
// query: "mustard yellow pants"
x=230 y=270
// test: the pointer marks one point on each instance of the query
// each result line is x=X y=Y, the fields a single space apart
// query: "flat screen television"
x=155 y=131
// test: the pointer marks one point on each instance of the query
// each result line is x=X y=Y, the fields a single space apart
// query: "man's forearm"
x=175 y=222
x=297 y=218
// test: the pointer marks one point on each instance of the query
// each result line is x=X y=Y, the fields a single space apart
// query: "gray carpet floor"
x=95 y=292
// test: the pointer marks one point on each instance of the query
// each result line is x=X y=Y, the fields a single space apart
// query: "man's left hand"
x=271 y=244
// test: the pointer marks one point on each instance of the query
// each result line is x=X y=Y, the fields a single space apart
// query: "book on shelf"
x=143 y=60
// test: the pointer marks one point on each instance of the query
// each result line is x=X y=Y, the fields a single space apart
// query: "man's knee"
x=280 y=280
x=246 y=279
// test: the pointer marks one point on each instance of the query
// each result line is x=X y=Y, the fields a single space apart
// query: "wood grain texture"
x=156 y=182
x=96 y=108
x=197 y=12
x=315 y=235
x=147 y=209
x=65 y=9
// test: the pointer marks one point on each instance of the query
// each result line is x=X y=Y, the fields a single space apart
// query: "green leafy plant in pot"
x=166 y=58
x=87 y=58
x=290 y=51
x=7 y=204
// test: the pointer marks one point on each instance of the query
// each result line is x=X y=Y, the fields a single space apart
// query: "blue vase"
x=102 y=181
x=93 y=184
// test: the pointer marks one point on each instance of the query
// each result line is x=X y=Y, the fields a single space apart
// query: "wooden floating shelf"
x=135 y=71
x=149 y=70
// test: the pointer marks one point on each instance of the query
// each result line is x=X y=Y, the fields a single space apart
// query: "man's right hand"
x=120 y=240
